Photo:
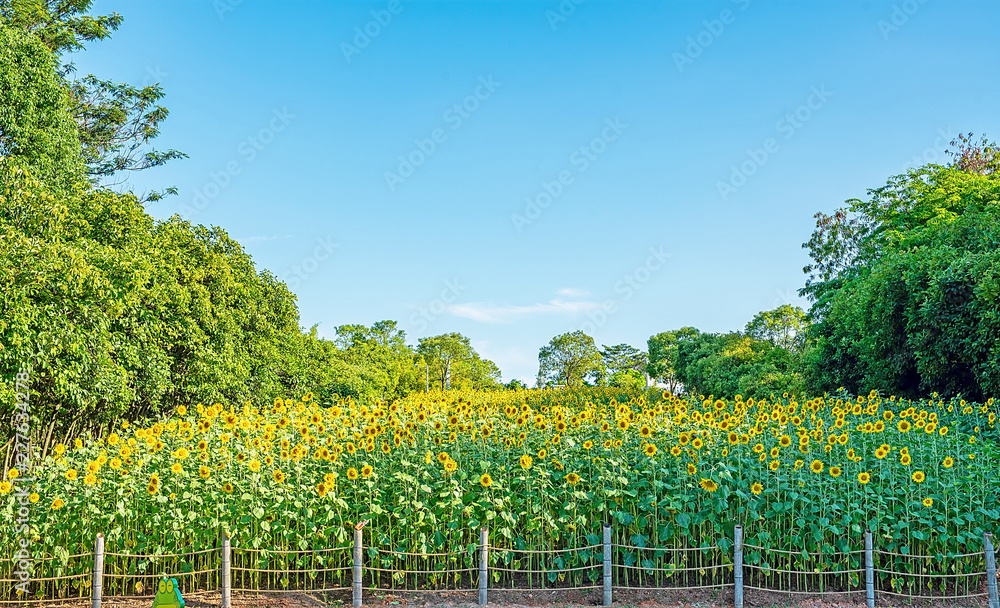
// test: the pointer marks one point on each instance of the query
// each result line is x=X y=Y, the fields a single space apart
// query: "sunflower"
x=485 y=480
x=57 y=504
x=573 y=479
x=321 y=489
x=734 y=438
x=204 y=472
x=880 y=453
x=835 y=471
x=948 y=462
x=692 y=469
x=152 y=489
x=541 y=454
x=90 y=479
x=278 y=476
x=774 y=452
x=905 y=459
x=525 y=462
x=650 y=449
x=918 y=476
x=675 y=451
x=928 y=502
x=451 y=466
x=5 y=487
x=254 y=465
x=756 y=488
x=176 y=468
x=588 y=444
x=816 y=466
x=903 y=426
x=645 y=431
x=696 y=444
x=708 y=485
x=227 y=488
x=71 y=474
x=773 y=465
x=864 y=478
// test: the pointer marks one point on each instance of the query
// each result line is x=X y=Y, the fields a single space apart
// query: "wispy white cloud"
x=487 y=312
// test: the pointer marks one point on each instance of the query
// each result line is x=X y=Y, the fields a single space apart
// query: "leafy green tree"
x=910 y=308
x=455 y=364
x=785 y=326
x=569 y=359
x=115 y=121
x=663 y=355
x=622 y=358
x=734 y=363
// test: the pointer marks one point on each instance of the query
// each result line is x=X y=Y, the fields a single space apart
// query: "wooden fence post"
x=991 y=570
x=357 y=564
x=607 y=564
x=869 y=570
x=97 y=590
x=227 y=581
x=484 y=560
x=738 y=566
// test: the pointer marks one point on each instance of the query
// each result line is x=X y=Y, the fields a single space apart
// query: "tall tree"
x=663 y=355
x=455 y=364
x=570 y=359
x=116 y=122
x=912 y=309
x=785 y=326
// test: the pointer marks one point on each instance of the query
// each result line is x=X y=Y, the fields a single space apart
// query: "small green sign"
x=168 y=595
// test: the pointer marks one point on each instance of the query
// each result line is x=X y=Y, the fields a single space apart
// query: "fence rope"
x=665 y=548
x=800 y=553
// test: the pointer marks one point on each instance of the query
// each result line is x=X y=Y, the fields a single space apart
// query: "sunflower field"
x=543 y=470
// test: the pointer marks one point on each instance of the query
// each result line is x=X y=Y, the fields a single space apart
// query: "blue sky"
x=515 y=170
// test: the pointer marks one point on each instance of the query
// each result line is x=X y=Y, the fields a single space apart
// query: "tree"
x=913 y=310
x=622 y=357
x=663 y=355
x=115 y=121
x=734 y=363
x=569 y=359
x=785 y=326
x=455 y=364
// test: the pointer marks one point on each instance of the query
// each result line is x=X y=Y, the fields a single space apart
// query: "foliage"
x=912 y=309
x=663 y=355
x=115 y=121
x=569 y=359
x=455 y=364
x=785 y=326
x=734 y=363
